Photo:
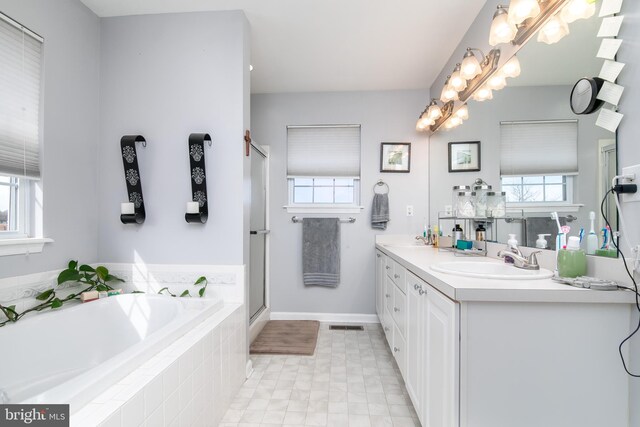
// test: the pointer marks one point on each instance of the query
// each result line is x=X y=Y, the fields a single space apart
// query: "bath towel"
x=321 y=251
x=380 y=212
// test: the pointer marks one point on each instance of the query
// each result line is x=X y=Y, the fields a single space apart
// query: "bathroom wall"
x=385 y=117
x=164 y=77
x=70 y=119
x=512 y=104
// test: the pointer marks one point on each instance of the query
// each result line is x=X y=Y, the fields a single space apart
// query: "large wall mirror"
x=534 y=148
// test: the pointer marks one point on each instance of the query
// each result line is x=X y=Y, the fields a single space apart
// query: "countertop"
x=419 y=258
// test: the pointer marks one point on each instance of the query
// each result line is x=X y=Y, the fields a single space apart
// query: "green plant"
x=95 y=279
x=200 y=281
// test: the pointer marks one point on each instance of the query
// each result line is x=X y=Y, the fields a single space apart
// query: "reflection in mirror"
x=535 y=148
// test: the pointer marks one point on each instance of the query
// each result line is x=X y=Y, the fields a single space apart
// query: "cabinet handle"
x=416 y=286
x=386 y=329
x=397 y=276
x=378 y=255
x=421 y=292
x=396 y=349
x=396 y=309
x=387 y=295
x=387 y=267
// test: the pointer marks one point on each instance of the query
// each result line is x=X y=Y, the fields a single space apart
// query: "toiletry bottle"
x=512 y=242
x=481 y=233
x=457 y=235
x=592 y=238
x=572 y=261
x=541 y=243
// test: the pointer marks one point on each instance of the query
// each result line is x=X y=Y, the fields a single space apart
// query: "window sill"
x=324 y=209
x=544 y=207
x=22 y=246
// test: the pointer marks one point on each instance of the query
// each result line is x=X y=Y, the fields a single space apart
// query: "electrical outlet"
x=409 y=210
x=631 y=170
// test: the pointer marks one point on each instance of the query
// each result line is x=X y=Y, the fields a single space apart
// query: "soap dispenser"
x=572 y=261
x=512 y=242
x=541 y=243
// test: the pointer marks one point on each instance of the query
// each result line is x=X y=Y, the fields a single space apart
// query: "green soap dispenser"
x=572 y=261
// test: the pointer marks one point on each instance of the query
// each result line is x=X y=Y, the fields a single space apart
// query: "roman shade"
x=323 y=151
x=20 y=73
x=539 y=148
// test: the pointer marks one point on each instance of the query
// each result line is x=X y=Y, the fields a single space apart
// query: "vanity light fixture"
x=578 y=9
x=457 y=81
x=502 y=30
x=521 y=10
x=497 y=81
x=554 y=30
x=488 y=67
x=471 y=67
x=448 y=93
x=483 y=94
x=433 y=111
x=463 y=112
x=422 y=124
x=447 y=111
x=528 y=28
x=511 y=68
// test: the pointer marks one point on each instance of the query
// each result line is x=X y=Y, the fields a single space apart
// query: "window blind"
x=323 y=151
x=20 y=72
x=539 y=148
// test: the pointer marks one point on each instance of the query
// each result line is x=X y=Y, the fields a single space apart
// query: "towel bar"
x=350 y=220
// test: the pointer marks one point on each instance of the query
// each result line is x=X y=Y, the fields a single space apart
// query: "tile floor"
x=352 y=380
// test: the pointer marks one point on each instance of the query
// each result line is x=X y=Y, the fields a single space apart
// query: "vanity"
x=501 y=352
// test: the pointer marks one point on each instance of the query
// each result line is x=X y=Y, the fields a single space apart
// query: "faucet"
x=519 y=260
x=425 y=240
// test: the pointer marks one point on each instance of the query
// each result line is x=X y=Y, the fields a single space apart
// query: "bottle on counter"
x=481 y=233
x=457 y=235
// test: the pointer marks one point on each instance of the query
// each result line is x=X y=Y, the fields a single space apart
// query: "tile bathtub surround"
x=191 y=382
x=351 y=380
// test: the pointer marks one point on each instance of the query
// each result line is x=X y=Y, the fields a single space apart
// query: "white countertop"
x=419 y=258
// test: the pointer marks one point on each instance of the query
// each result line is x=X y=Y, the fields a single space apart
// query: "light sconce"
x=422 y=124
x=483 y=94
x=502 y=30
x=446 y=111
x=457 y=81
x=511 y=68
x=463 y=112
x=471 y=67
x=448 y=93
x=521 y=10
x=545 y=11
x=554 y=30
x=578 y=9
x=487 y=68
x=497 y=82
x=433 y=111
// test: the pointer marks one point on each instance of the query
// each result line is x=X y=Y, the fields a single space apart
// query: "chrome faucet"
x=519 y=260
x=425 y=240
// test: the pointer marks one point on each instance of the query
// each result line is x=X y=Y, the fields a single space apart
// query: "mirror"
x=537 y=170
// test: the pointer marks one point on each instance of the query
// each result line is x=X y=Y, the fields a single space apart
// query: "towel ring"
x=380 y=183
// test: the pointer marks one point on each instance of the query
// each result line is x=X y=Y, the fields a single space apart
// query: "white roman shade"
x=539 y=148
x=20 y=72
x=323 y=151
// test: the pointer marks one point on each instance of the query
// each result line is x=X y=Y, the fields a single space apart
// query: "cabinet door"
x=399 y=350
x=414 y=341
x=400 y=311
x=380 y=275
x=441 y=335
x=389 y=288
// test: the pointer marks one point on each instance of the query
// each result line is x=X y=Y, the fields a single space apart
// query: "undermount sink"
x=491 y=270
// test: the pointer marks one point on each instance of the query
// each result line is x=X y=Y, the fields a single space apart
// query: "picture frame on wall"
x=464 y=156
x=395 y=157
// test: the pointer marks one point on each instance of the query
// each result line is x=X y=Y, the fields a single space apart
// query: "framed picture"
x=395 y=157
x=464 y=156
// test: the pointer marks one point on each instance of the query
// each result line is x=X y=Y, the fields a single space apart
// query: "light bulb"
x=434 y=112
x=578 y=9
x=463 y=112
x=470 y=67
x=502 y=31
x=455 y=121
x=457 y=83
x=426 y=121
x=554 y=30
x=448 y=94
x=520 y=10
x=497 y=82
x=483 y=94
x=419 y=126
x=511 y=68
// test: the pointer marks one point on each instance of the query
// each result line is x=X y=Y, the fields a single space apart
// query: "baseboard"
x=327 y=317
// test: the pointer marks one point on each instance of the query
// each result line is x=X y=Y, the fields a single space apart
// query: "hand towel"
x=380 y=211
x=321 y=251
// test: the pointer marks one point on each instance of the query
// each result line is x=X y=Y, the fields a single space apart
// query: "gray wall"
x=512 y=104
x=69 y=131
x=384 y=116
x=166 y=76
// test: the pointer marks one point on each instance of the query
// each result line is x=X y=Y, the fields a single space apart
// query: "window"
x=538 y=162
x=323 y=167
x=20 y=68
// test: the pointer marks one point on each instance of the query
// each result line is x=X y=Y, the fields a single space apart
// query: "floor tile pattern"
x=352 y=380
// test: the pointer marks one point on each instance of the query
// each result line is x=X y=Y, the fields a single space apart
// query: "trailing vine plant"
x=93 y=279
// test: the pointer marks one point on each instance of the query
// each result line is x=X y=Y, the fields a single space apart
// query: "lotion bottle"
x=592 y=238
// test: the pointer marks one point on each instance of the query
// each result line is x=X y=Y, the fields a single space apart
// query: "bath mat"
x=297 y=337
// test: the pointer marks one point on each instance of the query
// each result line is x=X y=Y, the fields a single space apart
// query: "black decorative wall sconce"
x=132 y=212
x=198 y=208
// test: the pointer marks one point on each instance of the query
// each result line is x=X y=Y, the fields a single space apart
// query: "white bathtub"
x=72 y=355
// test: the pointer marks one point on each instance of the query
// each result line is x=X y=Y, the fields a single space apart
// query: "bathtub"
x=72 y=355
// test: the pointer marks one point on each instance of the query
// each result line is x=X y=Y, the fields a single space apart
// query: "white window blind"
x=20 y=72
x=539 y=148
x=323 y=151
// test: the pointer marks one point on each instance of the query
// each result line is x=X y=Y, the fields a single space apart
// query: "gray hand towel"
x=380 y=211
x=321 y=251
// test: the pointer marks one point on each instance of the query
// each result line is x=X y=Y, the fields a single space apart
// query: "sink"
x=491 y=270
